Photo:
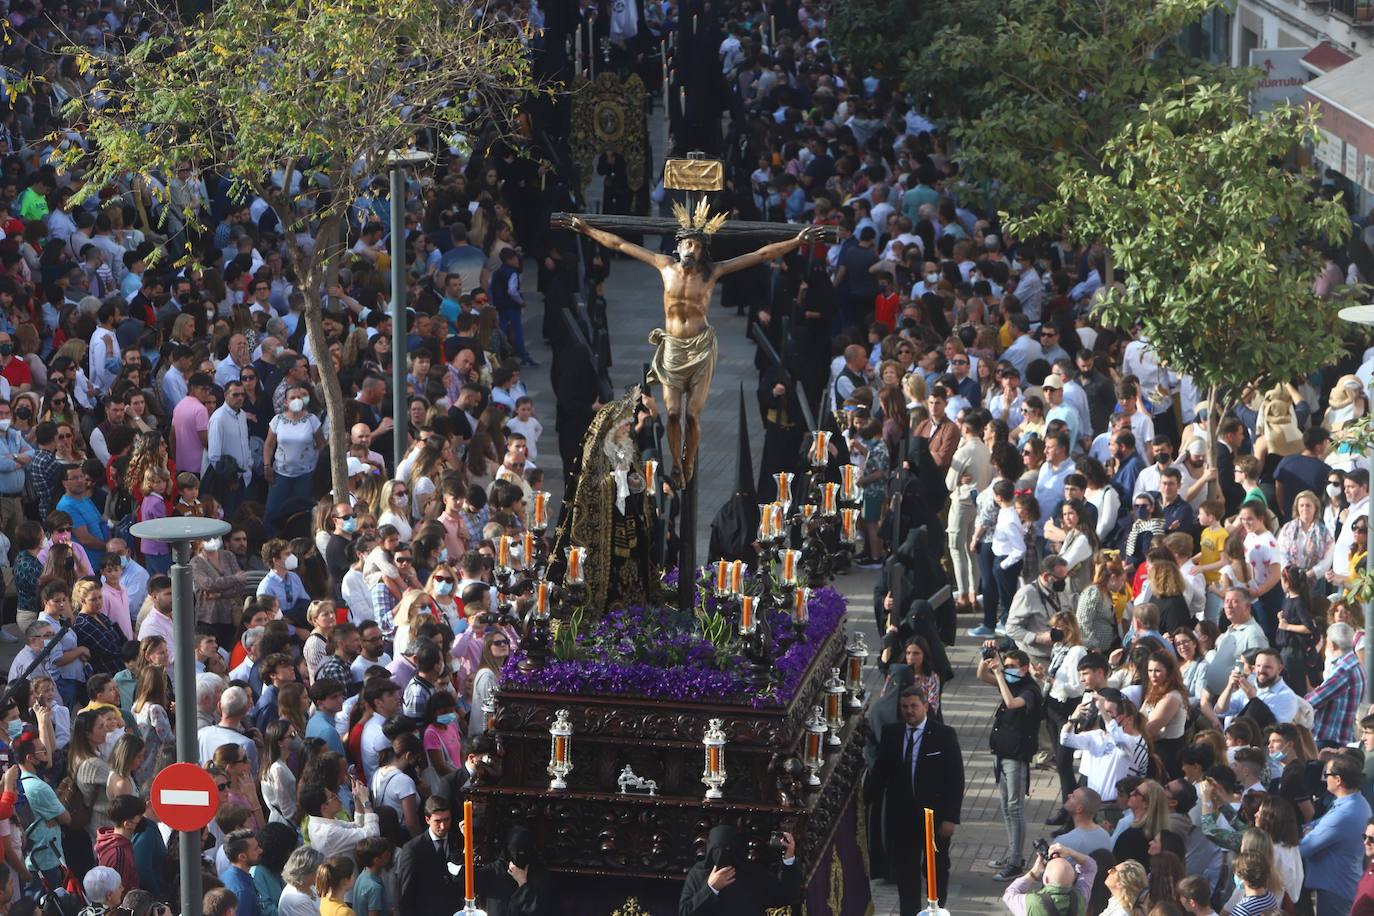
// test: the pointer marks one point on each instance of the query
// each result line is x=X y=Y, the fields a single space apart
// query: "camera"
x=1041 y=848
x=989 y=652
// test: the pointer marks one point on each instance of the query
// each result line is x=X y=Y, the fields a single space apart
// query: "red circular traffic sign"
x=184 y=797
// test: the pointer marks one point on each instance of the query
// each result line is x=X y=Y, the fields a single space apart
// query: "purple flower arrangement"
x=660 y=653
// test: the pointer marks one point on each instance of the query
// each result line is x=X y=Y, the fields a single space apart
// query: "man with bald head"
x=227 y=370
x=1066 y=874
x=852 y=376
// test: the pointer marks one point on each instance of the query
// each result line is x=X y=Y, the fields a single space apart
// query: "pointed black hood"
x=744 y=457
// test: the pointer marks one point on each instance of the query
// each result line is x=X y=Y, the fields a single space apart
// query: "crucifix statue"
x=685 y=358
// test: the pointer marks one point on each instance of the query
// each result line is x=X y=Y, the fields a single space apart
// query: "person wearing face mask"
x=441 y=587
x=1013 y=743
x=1028 y=621
x=15 y=455
x=396 y=508
x=289 y=456
x=219 y=585
x=282 y=583
x=724 y=881
x=88 y=763
x=343 y=527
x=45 y=835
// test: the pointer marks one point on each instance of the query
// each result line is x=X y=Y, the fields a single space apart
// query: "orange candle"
x=789 y=566
x=575 y=564
x=737 y=576
x=560 y=749
x=813 y=745
x=541 y=597
x=469 y=892
x=828 y=498
x=713 y=759
x=847 y=474
x=746 y=613
x=784 y=486
x=931 y=893
x=541 y=508
x=529 y=548
x=722 y=574
x=503 y=550
x=651 y=477
x=779 y=519
x=818 y=453
x=799 y=604
x=847 y=525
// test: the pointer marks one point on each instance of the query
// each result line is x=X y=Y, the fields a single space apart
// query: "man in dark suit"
x=427 y=887
x=476 y=755
x=919 y=766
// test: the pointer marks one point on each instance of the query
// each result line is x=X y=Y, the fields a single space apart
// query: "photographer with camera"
x=1066 y=878
x=1028 y=621
x=1013 y=742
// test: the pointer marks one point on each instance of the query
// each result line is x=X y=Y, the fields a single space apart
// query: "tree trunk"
x=313 y=271
x=1213 y=418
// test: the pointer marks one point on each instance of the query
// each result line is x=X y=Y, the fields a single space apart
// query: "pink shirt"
x=448 y=740
x=189 y=420
x=115 y=605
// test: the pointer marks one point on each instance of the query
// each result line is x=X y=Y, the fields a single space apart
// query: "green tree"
x=1050 y=83
x=1216 y=237
x=300 y=101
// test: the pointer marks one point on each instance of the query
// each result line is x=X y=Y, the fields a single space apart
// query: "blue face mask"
x=443 y=556
x=1012 y=674
x=14 y=728
x=444 y=588
x=1277 y=756
x=350 y=525
x=447 y=718
x=123 y=560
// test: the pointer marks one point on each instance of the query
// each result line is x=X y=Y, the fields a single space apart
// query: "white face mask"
x=402 y=501
x=5 y=425
x=291 y=563
x=1333 y=490
x=213 y=544
x=295 y=405
x=932 y=279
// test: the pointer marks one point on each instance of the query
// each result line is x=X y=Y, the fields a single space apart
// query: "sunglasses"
x=344 y=518
x=500 y=642
x=1368 y=838
x=222 y=786
x=442 y=579
x=403 y=559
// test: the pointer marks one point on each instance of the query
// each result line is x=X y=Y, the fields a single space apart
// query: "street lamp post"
x=399 y=160
x=178 y=532
x=1364 y=314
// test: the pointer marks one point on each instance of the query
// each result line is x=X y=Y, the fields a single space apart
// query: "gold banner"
x=694 y=174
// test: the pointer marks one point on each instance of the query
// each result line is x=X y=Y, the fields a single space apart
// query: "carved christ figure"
x=685 y=358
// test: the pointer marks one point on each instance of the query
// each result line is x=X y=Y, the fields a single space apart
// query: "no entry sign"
x=184 y=797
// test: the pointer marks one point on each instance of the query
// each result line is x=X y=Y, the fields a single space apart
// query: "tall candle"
x=828 y=498
x=847 y=473
x=784 y=486
x=503 y=551
x=799 y=604
x=789 y=566
x=469 y=892
x=575 y=555
x=713 y=757
x=722 y=575
x=746 y=613
x=651 y=478
x=931 y=893
x=822 y=444
x=528 y=547
x=541 y=508
x=541 y=598
x=737 y=576
x=779 y=519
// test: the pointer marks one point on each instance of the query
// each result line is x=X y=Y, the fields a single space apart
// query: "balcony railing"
x=1357 y=12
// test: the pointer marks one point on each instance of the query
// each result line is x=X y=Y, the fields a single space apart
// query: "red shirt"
x=885 y=310
x=1364 y=894
x=17 y=372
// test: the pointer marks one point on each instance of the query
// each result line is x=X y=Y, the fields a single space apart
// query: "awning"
x=1346 y=89
x=1324 y=58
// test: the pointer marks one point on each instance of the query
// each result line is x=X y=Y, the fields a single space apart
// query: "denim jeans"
x=512 y=323
x=1331 y=903
x=1008 y=582
x=285 y=497
x=1012 y=778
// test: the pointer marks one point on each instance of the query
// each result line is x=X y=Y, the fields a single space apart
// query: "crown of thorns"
x=698 y=224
